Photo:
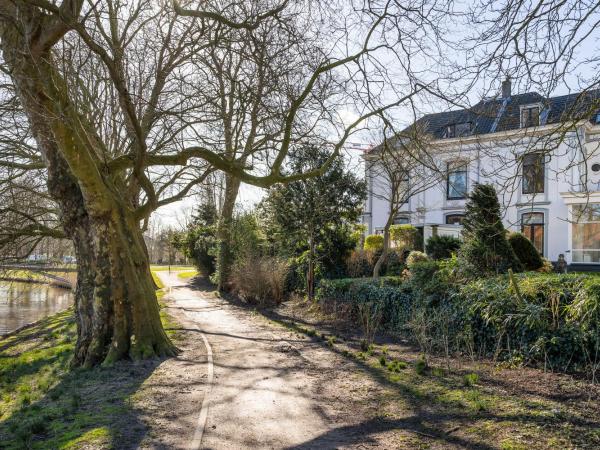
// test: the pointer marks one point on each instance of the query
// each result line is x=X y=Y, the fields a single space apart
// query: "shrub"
x=525 y=251
x=485 y=249
x=374 y=242
x=388 y=305
x=421 y=365
x=260 y=280
x=394 y=264
x=415 y=257
x=360 y=263
x=200 y=244
x=547 y=266
x=442 y=247
x=403 y=236
x=470 y=379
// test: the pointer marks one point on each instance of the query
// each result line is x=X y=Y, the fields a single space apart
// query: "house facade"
x=541 y=154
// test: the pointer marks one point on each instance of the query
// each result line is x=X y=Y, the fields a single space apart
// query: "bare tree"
x=132 y=105
x=401 y=167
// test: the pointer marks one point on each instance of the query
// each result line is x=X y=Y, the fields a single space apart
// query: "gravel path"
x=271 y=386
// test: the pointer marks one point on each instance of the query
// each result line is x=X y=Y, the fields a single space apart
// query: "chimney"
x=506 y=86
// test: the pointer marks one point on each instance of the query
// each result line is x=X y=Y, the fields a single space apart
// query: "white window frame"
x=532 y=105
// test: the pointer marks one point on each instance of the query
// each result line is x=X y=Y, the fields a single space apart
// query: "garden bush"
x=525 y=251
x=344 y=298
x=546 y=324
x=485 y=249
x=374 y=242
x=261 y=281
x=549 y=320
x=403 y=236
x=360 y=263
x=415 y=257
x=442 y=247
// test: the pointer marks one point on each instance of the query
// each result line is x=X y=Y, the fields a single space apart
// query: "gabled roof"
x=497 y=115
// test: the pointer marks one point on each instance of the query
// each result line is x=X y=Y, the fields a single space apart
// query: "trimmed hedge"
x=374 y=242
x=442 y=247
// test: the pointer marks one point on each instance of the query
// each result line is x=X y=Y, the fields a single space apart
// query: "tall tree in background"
x=304 y=214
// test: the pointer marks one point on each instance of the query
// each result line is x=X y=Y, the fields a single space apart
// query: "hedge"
x=343 y=296
x=554 y=321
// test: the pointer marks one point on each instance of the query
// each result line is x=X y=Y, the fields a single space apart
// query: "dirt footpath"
x=272 y=388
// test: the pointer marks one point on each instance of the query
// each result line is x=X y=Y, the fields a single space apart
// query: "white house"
x=543 y=156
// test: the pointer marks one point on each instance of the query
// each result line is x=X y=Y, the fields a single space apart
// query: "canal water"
x=23 y=303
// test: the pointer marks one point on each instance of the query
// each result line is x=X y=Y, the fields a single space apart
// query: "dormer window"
x=530 y=116
x=458 y=130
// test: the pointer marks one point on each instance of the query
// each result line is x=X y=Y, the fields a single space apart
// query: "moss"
x=187 y=274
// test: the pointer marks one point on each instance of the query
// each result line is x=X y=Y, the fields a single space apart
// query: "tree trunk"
x=386 y=246
x=116 y=307
x=224 y=255
x=310 y=276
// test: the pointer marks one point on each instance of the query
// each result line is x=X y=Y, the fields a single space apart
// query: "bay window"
x=586 y=233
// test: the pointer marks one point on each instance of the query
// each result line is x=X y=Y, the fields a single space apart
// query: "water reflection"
x=22 y=303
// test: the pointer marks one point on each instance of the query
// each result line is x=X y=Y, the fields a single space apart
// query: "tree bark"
x=386 y=246
x=224 y=255
x=310 y=276
x=117 y=311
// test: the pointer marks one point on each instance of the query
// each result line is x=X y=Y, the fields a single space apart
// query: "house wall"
x=495 y=161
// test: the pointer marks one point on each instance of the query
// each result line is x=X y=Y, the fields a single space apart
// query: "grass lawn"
x=187 y=274
x=46 y=405
x=157 y=268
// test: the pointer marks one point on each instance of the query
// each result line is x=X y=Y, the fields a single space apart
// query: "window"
x=401 y=220
x=456 y=181
x=532 y=226
x=454 y=219
x=403 y=188
x=530 y=116
x=458 y=130
x=533 y=173
x=586 y=233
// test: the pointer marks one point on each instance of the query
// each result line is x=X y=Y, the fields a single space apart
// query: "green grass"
x=187 y=274
x=161 y=268
x=44 y=404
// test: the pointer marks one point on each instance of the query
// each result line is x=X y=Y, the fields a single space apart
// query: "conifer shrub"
x=526 y=252
x=485 y=249
x=442 y=247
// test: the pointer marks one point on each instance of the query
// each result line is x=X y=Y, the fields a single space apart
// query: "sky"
x=174 y=215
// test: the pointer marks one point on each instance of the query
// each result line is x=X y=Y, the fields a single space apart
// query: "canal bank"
x=25 y=303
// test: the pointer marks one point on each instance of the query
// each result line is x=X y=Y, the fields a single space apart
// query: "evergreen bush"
x=485 y=249
x=442 y=247
x=526 y=252
x=415 y=257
